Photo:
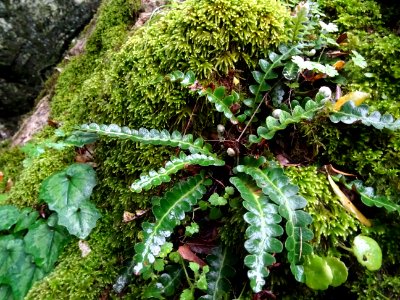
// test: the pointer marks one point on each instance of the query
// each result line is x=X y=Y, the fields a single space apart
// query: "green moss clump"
x=90 y=277
x=26 y=189
x=10 y=165
x=331 y=222
x=353 y=14
x=123 y=80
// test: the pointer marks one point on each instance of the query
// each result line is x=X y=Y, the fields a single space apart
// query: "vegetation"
x=264 y=190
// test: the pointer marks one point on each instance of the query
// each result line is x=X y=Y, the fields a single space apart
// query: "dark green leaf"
x=26 y=219
x=218 y=285
x=5 y=292
x=79 y=221
x=9 y=215
x=80 y=138
x=168 y=214
x=68 y=188
x=152 y=137
x=45 y=244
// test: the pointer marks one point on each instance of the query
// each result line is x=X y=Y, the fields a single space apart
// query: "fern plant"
x=198 y=180
x=275 y=210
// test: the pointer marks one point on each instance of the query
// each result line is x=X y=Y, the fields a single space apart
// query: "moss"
x=26 y=190
x=331 y=222
x=91 y=277
x=10 y=165
x=353 y=14
x=121 y=79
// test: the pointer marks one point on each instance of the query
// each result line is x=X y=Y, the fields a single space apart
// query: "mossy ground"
x=121 y=78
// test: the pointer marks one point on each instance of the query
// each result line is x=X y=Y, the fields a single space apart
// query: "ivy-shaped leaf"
x=45 y=243
x=152 y=137
x=350 y=113
x=272 y=125
x=11 y=251
x=81 y=220
x=369 y=198
x=168 y=213
x=27 y=218
x=17 y=268
x=9 y=215
x=68 y=188
x=278 y=188
x=261 y=243
x=218 y=285
x=23 y=274
x=155 y=178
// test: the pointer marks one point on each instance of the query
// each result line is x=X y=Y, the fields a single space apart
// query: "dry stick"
x=251 y=119
x=190 y=118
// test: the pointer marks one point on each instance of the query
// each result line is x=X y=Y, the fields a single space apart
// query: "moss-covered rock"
x=121 y=78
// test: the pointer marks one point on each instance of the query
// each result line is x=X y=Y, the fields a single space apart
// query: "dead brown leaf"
x=189 y=255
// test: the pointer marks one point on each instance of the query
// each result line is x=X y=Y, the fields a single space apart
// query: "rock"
x=33 y=36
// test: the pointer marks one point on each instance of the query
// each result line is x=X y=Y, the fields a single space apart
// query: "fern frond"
x=155 y=178
x=278 y=188
x=350 y=113
x=267 y=72
x=272 y=125
x=218 y=97
x=261 y=243
x=222 y=102
x=299 y=22
x=170 y=211
x=152 y=137
x=369 y=198
x=218 y=285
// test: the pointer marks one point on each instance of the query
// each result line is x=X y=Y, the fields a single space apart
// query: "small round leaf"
x=318 y=273
x=368 y=252
x=339 y=271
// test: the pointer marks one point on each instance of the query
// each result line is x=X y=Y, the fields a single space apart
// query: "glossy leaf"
x=79 y=221
x=68 y=188
x=26 y=218
x=23 y=275
x=9 y=215
x=168 y=213
x=318 y=273
x=218 y=285
x=261 y=243
x=339 y=271
x=278 y=188
x=152 y=137
x=45 y=244
x=17 y=268
x=350 y=113
x=368 y=252
x=155 y=178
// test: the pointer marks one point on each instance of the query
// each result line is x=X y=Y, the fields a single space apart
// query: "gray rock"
x=33 y=36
